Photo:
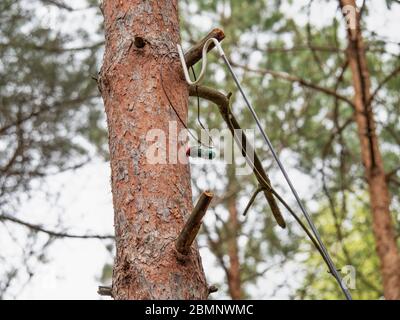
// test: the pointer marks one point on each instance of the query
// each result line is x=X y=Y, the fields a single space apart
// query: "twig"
x=104 y=291
x=384 y=81
x=46 y=108
x=309 y=38
x=212 y=289
x=253 y=197
x=62 y=5
x=340 y=236
x=59 y=4
x=392 y=173
x=38 y=228
x=216 y=248
x=295 y=79
x=301 y=48
x=192 y=226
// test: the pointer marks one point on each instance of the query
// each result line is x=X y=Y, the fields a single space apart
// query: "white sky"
x=85 y=199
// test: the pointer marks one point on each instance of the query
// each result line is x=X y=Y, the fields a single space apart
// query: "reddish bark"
x=151 y=202
x=233 y=272
x=234 y=282
x=372 y=160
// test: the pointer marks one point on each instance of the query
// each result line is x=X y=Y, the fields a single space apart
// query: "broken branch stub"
x=192 y=225
x=105 y=291
x=194 y=54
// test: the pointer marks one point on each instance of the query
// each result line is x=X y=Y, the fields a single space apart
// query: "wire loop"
x=317 y=240
x=203 y=63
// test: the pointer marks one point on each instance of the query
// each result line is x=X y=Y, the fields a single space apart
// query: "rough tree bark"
x=372 y=160
x=151 y=202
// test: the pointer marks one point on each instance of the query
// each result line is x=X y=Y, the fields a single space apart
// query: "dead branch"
x=104 y=291
x=392 y=173
x=192 y=226
x=302 y=48
x=212 y=289
x=59 y=4
x=222 y=102
x=195 y=53
x=252 y=199
x=38 y=228
x=383 y=82
x=291 y=78
x=63 y=6
x=216 y=247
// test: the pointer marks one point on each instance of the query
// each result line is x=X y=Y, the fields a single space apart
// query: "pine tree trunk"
x=372 y=160
x=151 y=201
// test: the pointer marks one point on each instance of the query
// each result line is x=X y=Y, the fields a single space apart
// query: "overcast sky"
x=85 y=198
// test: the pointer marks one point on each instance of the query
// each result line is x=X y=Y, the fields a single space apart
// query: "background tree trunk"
x=233 y=276
x=151 y=202
x=372 y=160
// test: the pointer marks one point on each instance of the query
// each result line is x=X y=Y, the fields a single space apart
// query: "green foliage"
x=356 y=249
x=314 y=128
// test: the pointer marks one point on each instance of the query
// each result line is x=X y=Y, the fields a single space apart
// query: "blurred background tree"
x=298 y=77
x=296 y=73
x=50 y=118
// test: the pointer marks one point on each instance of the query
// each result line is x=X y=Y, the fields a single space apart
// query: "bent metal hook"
x=221 y=52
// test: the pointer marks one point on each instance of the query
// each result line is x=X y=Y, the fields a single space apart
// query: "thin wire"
x=303 y=209
x=171 y=53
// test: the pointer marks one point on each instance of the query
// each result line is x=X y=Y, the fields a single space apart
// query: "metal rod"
x=331 y=265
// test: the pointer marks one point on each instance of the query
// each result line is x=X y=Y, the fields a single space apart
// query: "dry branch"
x=195 y=53
x=104 y=291
x=222 y=102
x=192 y=226
x=383 y=82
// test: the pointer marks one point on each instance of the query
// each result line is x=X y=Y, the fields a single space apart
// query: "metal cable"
x=321 y=246
x=329 y=261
